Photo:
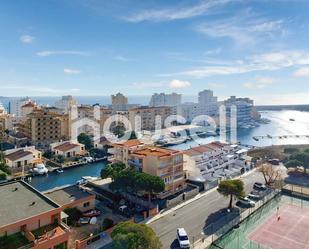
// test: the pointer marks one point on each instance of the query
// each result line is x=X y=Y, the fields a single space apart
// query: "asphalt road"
x=193 y=216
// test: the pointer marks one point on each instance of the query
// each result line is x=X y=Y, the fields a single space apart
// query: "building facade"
x=151 y=117
x=65 y=103
x=208 y=103
x=44 y=127
x=162 y=99
x=244 y=109
x=164 y=163
x=31 y=219
x=19 y=157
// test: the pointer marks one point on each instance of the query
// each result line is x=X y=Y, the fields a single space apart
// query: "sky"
x=247 y=48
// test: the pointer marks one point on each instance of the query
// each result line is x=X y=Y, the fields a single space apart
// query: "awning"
x=63 y=215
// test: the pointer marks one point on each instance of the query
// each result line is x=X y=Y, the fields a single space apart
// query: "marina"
x=267 y=134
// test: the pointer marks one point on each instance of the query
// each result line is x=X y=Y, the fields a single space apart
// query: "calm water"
x=69 y=176
x=280 y=125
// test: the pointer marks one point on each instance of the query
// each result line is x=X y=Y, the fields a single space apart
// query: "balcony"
x=17 y=240
x=49 y=235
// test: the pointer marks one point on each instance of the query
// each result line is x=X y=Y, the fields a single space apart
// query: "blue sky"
x=249 y=48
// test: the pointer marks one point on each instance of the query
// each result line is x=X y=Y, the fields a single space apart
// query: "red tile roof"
x=155 y=151
x=18 y=155
x=130 y=143
x=65 y=146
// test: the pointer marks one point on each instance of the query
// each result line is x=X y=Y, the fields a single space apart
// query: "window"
x=86 y=204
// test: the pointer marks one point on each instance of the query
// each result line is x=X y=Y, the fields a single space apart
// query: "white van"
x=183 y=238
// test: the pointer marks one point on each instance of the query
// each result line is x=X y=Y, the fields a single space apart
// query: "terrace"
x=14 y=241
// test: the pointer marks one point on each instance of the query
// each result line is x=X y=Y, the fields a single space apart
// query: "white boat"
x=40 y=169
x=89 y=159
x=59 y=171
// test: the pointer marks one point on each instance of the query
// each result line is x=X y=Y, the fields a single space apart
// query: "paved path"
x=193 y=216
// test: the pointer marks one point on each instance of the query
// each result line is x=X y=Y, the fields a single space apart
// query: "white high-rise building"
x=162 y=99
x=208 y=103
x=187 y=110
x=16 y=105
x=65 y=103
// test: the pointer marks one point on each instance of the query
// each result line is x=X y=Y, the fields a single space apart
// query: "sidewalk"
x=197 y=197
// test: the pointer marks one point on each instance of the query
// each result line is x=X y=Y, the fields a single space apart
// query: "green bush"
x=2 y=176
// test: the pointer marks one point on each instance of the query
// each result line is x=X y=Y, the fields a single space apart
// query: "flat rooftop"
x=67 y=195
x=155 y=151
x=20 y=201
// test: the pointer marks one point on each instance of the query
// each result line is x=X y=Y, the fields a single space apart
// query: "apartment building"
x=120 y=151
x=214 y=159
x=19 y=157
x=244 y=109
x=16 y=104
x=30 y=219
x=43 y=127
x=208 y=103
x=151 y=117
x=119 y=102
x=65 y=103
x=162 y=99
x=164 y=163
x=28 y=108
x=188 y=110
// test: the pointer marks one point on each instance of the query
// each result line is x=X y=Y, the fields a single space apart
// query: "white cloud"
x=260 y=83
x=261 y=62
x=61 y=52
x=302 y=72
x=71 y=71
x=161 y=15
x=27 y=39
x=242 y=29
x=179 y=84
x=123 y=58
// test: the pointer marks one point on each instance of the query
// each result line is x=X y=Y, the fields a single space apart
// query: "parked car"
x=83 y=220
x=182 y=238
x=254 y=197
x=259 y=186
x=245 y=202
x=92 y=213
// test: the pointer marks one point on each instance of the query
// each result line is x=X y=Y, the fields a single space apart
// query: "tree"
x=119 y=130
x=133 y=135
x=3 y=167
x=271 y=173
x=293 y=164
x=112 y=170
x=302 y=157
x=129 y=235
x=48 y=154
x=231 y=188
x=149 y=183
x=85 y=140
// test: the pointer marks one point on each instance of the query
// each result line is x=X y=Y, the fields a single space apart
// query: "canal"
x=69 y=176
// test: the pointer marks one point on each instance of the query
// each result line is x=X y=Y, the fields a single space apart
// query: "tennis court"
x=264 y=230
x=287 y=228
